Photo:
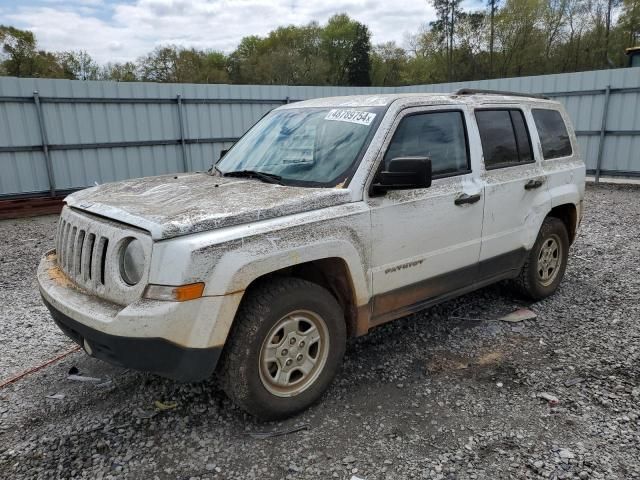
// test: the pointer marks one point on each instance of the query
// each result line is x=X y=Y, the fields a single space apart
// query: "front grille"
x=88 y=250
x=82 y=254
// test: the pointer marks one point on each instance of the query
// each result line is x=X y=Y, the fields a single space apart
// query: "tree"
x=346 y=47
x=292 y=55
x=120 y=72
x=598 y=42
x=20 y=56
x=493 y=8
x=79 y=65
x=471 y=58
x=554 y=18
x=159 y=65
x=359 y=64
x=337 y=54
x=243 y=61
x=388 y=63
x=171 y=64
x=520 y=39
x=428 y=60
x=18 y=51
x=611 y=5
x=214 y=67
x=570 y=51
x=448 y=12
x=630 y=21
x=288 y=55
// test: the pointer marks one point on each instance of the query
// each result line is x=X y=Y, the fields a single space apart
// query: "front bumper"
x=179 y=340
x=147 y=354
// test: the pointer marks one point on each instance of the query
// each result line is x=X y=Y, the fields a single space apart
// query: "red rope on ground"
x=17 y=377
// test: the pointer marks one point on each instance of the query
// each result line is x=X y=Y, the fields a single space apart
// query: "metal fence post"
x=45 y=143
x=185 y=165
x=603 y=131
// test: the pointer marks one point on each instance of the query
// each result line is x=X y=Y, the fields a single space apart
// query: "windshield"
x=317 y=146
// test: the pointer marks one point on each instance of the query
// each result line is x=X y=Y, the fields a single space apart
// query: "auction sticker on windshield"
x=351 y=116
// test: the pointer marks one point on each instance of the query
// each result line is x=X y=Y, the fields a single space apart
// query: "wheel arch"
x=334 y=265
x=568 y=214
x=331 y=273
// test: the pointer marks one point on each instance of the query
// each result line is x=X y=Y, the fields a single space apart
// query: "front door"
x=426 y=242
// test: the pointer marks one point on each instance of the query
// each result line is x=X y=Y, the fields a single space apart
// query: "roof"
x=631 y=50
x=382 y=100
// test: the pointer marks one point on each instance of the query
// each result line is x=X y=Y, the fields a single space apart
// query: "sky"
x=122 y=30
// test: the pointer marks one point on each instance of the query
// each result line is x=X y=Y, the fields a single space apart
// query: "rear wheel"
x=287 y=344
x=547 y=261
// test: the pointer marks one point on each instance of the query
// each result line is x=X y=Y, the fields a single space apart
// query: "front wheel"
x=286 y=346
x=547 y=261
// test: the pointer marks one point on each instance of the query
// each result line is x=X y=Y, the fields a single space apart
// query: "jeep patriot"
x=327 y=218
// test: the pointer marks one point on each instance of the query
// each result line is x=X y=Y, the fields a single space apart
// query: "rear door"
x=516 y=196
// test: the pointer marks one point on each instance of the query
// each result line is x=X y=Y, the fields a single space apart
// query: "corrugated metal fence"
x=604 y=106
x=60 y=135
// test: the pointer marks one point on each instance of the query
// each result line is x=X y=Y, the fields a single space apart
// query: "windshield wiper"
x=213 y=169
x=265 y=177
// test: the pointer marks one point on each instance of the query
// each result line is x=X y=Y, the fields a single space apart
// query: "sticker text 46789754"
x=351 y=116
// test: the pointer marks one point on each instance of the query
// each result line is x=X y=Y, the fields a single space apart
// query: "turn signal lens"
x=174 y=294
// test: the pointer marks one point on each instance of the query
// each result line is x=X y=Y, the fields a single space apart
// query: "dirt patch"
x=490 y=358
x=447 y=361
x=57 y=275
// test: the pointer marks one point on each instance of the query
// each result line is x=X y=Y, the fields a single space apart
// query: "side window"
x=438 y=135
x=505 y=138
x=553 y=133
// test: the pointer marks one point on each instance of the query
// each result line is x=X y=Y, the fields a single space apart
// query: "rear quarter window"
x=552 y=132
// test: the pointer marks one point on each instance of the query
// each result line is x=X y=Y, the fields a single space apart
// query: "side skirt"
x=419 y=296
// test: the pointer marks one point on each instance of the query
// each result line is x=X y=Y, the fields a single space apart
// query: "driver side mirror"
x=404 y=173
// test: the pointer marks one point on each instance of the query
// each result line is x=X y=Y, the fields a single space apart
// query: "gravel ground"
x=27 y=337
x=451 y=393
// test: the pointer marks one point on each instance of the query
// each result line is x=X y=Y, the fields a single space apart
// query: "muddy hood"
x=172 y=205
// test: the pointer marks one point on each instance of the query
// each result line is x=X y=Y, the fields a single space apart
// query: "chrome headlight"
x=132 y=261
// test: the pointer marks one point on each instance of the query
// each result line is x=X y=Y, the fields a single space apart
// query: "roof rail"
x=474 y=91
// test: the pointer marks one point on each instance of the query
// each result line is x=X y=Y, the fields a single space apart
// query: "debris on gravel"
x=550 y=398
x=416 y=398
x=519 y=315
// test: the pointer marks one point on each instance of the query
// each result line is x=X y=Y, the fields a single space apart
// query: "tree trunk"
x=606 y=35
x=453 y=11
x=492 y=37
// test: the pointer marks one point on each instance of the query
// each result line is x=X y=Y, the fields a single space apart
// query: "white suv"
x=328 y=218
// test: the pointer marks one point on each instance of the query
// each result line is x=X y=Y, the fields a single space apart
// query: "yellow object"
x=161 y=406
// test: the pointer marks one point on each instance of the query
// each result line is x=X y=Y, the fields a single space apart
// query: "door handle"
x=531 y=184
x=466 y=198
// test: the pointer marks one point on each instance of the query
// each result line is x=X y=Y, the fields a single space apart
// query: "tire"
x=270 y=327
x=540 y=278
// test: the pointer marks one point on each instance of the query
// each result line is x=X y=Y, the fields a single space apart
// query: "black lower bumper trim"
x=155 y=355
